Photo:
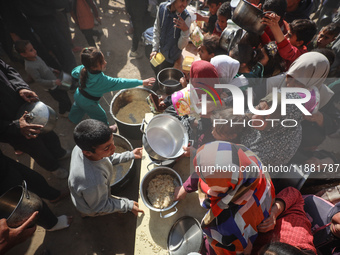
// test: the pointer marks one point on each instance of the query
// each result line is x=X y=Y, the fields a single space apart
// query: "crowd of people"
x=248 y=212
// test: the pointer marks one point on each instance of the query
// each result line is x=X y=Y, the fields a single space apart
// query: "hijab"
x=226 y=67
x=311 y=69
x=248 y=198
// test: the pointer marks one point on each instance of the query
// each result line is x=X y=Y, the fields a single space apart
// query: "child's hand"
x=183 y=81
x=271 y=19
x=138 y=152
x=180 y=23
x=149 y=82
x=58 y=82
x=152 y=54
x=135 y=209
x=180 y=193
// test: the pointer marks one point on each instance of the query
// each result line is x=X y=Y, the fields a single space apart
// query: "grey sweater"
x=89 y=184
x=41 y=73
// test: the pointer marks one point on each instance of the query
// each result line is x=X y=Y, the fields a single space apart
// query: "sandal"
x=63 y=222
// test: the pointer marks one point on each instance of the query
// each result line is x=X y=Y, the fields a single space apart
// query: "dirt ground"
x=111 y=234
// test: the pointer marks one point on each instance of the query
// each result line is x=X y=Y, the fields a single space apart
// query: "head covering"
x=311 y=69
x=204 y=75
x=226 y=67
x=232 y=219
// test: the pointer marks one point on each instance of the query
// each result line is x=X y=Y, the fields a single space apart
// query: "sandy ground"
x=111 y=234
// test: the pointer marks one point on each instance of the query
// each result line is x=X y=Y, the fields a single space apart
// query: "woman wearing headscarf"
x=308 y=71
x=235 y=190
x=226 y=67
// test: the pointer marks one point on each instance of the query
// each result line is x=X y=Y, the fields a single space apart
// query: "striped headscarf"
x=244 y=198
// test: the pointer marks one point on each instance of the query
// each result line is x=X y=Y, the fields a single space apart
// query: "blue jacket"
x=169 y=34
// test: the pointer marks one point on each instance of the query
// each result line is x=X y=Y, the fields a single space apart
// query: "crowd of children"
x=243 y=212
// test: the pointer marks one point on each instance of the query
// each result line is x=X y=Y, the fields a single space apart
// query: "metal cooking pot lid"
x=185 y=236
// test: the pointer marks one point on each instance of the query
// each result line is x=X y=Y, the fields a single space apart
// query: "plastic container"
x=185 y=101
x=157 y=59
x=186 y=65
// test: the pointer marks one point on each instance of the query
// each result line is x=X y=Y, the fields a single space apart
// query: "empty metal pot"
x=40 y=114
x=168 y=80
x=18 y=204
x=248 y=17
x=164 y=137
x=121 y=99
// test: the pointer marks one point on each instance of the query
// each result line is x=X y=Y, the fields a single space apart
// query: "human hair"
x=217 y=2
x=328 y=53
x=279 y=248
x=90 y=57
x=211 y=43
x=304 y=30
x=332 y=28
x=277 y=6
x=276 y=64
x=91 y=133
x=244 y=53
x=254 y=40
x=228 y=129
x=20 y=45
x=225 y=10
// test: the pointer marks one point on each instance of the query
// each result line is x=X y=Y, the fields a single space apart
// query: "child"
x=171 y=32
x=94 y=83
x=84 y=12
x=300 y=32
x=210 y=21
x=44 y=75
x=223 y=14
x=325 y=37
x=209 y=47
x=91 y=170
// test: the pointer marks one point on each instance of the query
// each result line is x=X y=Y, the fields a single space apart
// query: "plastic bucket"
x=185 y=101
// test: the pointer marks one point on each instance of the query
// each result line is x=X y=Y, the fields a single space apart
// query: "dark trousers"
x=89 y=33
x=62 y=97
x=52 y=37
x=45 y=149
x=13 y=174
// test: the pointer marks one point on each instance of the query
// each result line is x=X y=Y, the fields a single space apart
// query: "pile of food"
x=161 y=190
x=133 y=112
x=120 y=170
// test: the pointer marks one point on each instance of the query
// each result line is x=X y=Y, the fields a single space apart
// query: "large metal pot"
x=122 y=179
x=249 y=17
x=164 y=137
x=168 y=80
x=144 y=186
x=39 y=113
x=121 y=99
x=18 y=204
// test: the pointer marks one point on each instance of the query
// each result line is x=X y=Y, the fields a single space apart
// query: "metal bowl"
x=185 y=236
x=40 y=114
x=164 y=137
x=144 y=186
x=248 y=17
x=122 y=179
x=121 y=99
x=168 y=80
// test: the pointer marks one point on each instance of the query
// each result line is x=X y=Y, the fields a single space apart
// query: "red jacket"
x=289 y=52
